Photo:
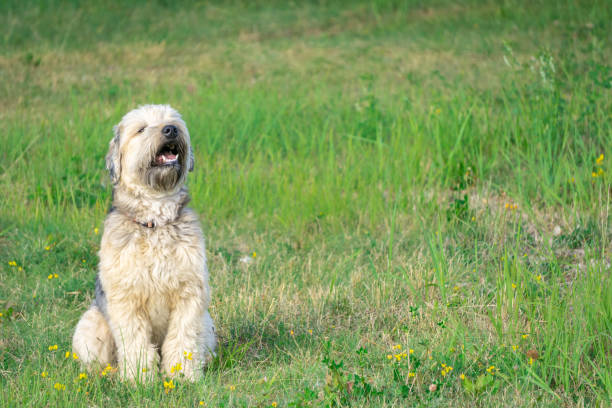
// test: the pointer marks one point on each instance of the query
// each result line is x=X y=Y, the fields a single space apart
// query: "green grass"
x=407 y=173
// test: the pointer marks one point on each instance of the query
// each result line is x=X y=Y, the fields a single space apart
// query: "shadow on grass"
x=248 y=343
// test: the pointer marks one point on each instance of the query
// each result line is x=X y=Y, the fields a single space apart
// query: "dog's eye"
x=142 y=129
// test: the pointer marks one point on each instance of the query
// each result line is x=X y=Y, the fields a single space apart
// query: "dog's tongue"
x=165 y=157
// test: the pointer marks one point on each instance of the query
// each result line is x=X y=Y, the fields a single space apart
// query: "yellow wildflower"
x=389 y=356
x=82 y=376
x=462 y=376
x=67 y=354
x=178 y=367
x=50 y=276
x=43 y=374
x=96 y=230
x=202 y=403
x=524 y=336
x=106 y=370
x=168 y=385
x=600 y=159
x=410 y=351
x=59 y=387
x=397 y=347
x=188 y=355
x=514 y=348
x=53 y=347
x=309 y=331
x=74 y=356
x=232 y=387
x=254 y=254
x=274 y=404
x=411 y=375
x=530 y=361
x=47 y=248
x=291 y=332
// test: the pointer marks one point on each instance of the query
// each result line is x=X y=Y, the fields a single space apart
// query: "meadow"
x=405 y=203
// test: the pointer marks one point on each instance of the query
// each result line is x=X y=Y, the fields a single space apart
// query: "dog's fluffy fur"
x=152 y=292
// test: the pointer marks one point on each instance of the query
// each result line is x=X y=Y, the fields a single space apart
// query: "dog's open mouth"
x=167 y=155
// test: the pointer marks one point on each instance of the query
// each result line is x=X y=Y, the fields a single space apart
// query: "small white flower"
x=246 y=260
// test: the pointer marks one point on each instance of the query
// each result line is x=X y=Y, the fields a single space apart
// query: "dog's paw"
x=138 y=373
x=187 y=368
x=145 y=376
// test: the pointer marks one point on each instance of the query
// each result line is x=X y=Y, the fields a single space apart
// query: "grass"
x=369 y=175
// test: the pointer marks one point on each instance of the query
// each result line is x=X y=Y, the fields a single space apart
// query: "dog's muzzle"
x=169 y=152
x=167 y=155
x=167 y=166
x=170 y=131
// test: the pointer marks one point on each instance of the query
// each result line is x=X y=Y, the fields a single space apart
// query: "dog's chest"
x=171 y=259
x=156 y=263
x=165 y=255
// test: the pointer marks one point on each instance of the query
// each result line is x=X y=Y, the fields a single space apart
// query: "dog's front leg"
x=181 y=351
x=131 y=329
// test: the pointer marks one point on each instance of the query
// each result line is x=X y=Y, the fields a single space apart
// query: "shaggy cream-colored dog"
x=152 y=292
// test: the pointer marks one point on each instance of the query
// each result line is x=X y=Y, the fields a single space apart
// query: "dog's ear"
x=191 y=158
x=113 y=157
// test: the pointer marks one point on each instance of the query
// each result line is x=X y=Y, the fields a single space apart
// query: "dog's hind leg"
x=93 y=340
x=208 y=340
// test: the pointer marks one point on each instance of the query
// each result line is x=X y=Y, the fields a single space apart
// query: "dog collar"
x=149 y=224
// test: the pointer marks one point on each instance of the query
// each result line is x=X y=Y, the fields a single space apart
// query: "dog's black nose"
x=170 y=131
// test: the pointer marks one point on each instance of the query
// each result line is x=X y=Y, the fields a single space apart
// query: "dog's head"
x=151 y=148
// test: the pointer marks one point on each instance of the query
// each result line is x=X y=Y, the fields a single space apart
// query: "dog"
x=150 y=310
